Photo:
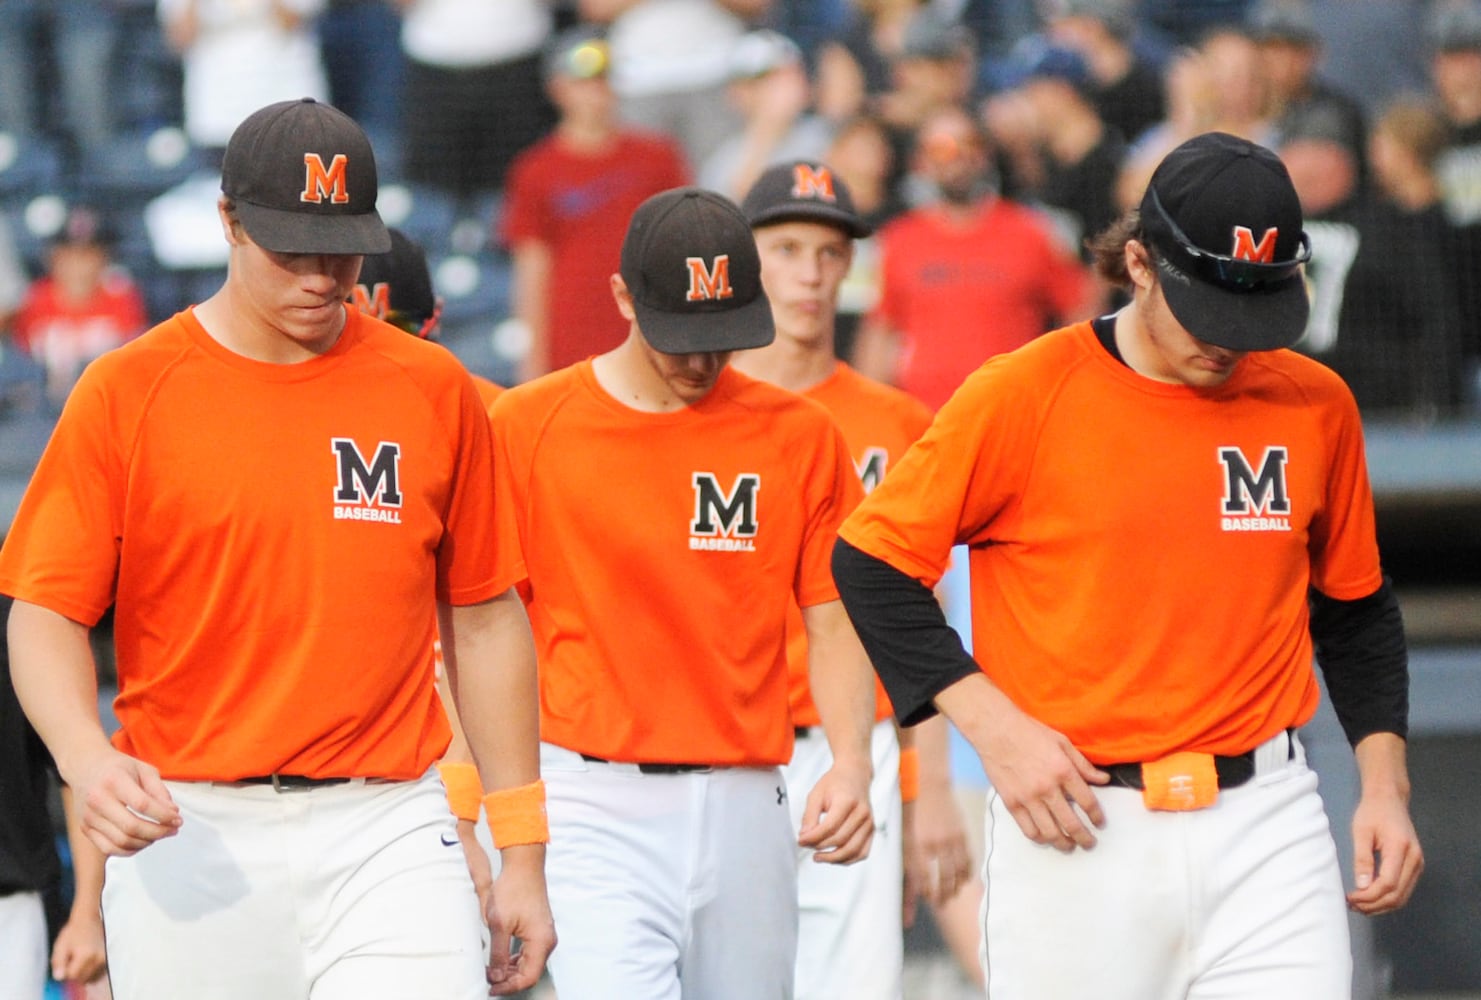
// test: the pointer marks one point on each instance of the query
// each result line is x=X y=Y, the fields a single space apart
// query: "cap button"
x=307 y=100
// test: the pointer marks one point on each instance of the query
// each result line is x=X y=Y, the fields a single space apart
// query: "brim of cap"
x=297 y=232
x=739 y=329
x=1264 y=320
x=851 y=224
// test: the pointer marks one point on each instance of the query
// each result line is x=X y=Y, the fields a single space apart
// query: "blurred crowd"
x=985 y=140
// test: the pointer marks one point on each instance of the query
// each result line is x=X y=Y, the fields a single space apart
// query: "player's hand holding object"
x=838 y=822
x=125 y=806
x=1039 y=774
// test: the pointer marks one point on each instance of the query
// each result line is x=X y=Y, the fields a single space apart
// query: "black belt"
x=1232 y=771
x=802 y=732
x=654 y=768
x=291 y=782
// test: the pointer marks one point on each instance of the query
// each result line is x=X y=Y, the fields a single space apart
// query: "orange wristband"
x=517 y=815
x=909 y=774
x=464 y=789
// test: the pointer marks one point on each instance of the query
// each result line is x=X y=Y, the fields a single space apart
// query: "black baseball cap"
x=302 y=177
x=803 y=191
x=1224 y=220
x=690 y=262
x=397 y=286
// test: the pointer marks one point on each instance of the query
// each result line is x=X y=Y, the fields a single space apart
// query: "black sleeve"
x=904 y=631
x=1361 y=650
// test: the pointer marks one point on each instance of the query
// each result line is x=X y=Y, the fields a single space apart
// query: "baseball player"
x=670 y=511
x=1166 y=510
x=849 y=941
x=277 y=491
x=396 y=287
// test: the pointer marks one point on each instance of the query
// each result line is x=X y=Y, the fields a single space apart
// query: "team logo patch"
x=320 y=182
x=376 y=300
x=367 y=491
x=709 y=282
x=871 y=467
x=724 y=521
x=1245 y=247
x=813 y=182
x=1255 y=499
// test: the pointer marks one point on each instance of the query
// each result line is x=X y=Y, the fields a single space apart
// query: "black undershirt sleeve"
x=1361 y=649
x=903 y=629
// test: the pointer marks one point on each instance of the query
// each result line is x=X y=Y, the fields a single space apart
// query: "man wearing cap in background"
x=671 y=511
x=568 y=199
x=396 y=287
x=849 y=940
x=278 y=493
x=1166 y=512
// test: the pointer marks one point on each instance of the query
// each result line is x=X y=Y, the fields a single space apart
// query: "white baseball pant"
x=669 y=885
x=849 y=935
x=1241 y=899
x=23 y=957
x=357 y=891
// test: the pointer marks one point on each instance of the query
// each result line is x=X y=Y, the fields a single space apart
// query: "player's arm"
x=532 y=266
x=490 y=661
x=78 y=955
x=1039 y=773
x=838 y=822
x=1361 y=649
x=937 y=834
x=124 y=806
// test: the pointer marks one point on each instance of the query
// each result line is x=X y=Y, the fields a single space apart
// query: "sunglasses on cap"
x=1233 y=273
x=426 y=329
x=586 y=61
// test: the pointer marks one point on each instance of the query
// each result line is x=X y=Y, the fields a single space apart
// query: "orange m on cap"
x=319 y=181
x=810 y=183
x=709 y=283
x=1245 y=247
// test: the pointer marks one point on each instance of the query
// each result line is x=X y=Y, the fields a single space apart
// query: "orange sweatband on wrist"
x=517 y=815
x=909 y=774
x=464 y=789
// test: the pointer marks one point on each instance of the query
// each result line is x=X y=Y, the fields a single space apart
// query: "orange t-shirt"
x=273 y=536
x=488 y=391
x=664 y=550
x=1140 y=552
x=878 y=423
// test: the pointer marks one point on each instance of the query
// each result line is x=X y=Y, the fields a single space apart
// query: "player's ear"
x=231 y=226
x=1140 y=266
x=623 y=298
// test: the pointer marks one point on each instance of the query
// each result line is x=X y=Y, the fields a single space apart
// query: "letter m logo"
x=731 y=514
x=872 y=467
x=709 y=283
x=812 y=182
x=376 y=481
x=1245 y=247
x=376 y=301
x=320 y=182
x=1247 y=491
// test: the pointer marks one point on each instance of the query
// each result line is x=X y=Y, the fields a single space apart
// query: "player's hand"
x=479 y=868
x=940 y=843
x=838 y=823
x=124 y=805
x=914 y=866
x=519 y=908
x=1387 y=858
x=78 y=955
x=1043 y=780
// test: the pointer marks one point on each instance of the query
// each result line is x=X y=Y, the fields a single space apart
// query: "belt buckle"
x=283 y=788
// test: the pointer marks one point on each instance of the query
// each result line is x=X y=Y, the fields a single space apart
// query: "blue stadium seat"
x=29 y=165
x=137 y=166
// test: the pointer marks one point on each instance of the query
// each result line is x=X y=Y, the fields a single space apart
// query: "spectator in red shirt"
x=967 y=276
x=569 y=198
x=82 y=307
